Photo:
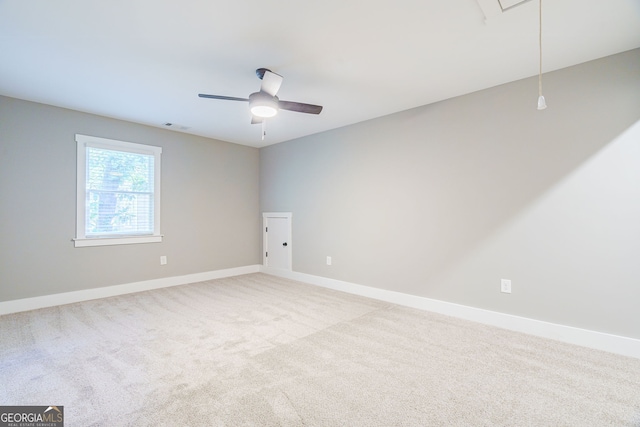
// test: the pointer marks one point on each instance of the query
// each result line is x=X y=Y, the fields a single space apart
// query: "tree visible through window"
x=118 y=192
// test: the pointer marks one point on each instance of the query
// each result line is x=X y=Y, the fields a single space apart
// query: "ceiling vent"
x=175 y=126
x=493 y=8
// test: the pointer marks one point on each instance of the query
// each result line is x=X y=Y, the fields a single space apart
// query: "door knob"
x=284 y=244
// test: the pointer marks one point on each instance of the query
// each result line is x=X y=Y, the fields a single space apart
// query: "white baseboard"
x=26 y=304
x=592 y=339
x=597 y=340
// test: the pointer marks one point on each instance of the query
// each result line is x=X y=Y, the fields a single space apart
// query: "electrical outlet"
x=505 y=286
x=328 y=260
x=163 y=260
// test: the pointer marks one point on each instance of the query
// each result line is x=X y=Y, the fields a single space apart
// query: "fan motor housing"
x=260 y=72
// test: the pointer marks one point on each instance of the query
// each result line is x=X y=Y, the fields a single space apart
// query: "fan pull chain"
x=264 y=128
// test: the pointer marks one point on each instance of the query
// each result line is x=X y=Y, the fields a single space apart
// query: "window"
x=118 y=192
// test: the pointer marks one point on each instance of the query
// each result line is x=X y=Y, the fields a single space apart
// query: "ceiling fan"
x=265 y=103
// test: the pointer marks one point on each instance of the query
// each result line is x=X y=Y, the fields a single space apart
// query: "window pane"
x=119 y=170
x=119 y=192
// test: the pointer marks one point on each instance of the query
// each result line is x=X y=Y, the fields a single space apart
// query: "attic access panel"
x=508 y=4
x=495 y=8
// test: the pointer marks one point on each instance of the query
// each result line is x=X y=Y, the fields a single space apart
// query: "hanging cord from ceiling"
x=542 y=103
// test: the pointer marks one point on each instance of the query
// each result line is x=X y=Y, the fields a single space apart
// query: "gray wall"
x=444 y=200
x=210 y=212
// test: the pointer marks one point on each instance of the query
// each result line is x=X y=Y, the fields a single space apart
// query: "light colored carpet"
x=257 y=350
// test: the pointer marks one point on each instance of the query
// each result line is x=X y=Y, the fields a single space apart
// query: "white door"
x=277 y=240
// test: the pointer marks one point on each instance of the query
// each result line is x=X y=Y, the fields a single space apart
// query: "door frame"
x=265 y=220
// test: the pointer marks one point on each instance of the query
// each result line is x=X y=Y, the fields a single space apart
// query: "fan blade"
x=256 y=120
x=300 y=107
x=226 y=98
x=271 y=83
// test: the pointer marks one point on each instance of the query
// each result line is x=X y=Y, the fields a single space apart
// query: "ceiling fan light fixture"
x=262 y=105
x=263 y=111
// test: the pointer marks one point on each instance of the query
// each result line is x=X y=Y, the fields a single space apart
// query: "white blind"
x=119 y=193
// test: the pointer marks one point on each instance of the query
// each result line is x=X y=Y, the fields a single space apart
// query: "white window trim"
x=81 y=240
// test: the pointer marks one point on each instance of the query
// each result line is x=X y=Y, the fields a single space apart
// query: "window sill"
x=110 y=241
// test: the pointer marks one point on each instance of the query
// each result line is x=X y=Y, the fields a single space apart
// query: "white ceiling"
x=146 y=60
